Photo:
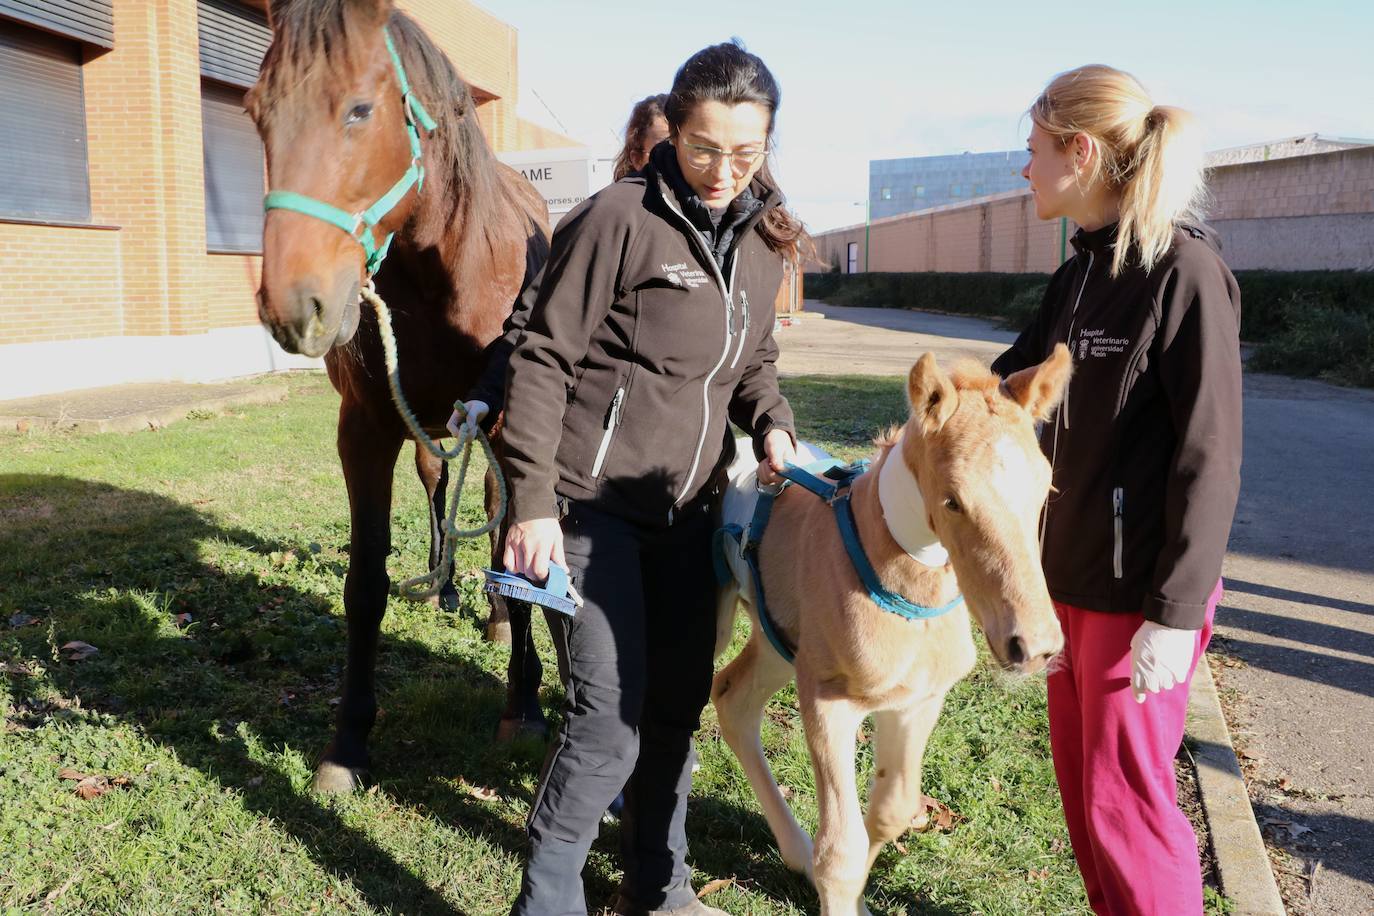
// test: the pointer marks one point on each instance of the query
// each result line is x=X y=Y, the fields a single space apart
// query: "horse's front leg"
x=900 y=741
x=369 y=458
x=512 y=622
x=434 y=475
x=839 y=867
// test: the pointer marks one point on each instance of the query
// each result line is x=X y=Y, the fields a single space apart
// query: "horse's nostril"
x=318 y=305
x=1016 y=650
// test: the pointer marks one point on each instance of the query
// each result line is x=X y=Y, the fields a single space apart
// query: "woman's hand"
x=475 y=411
x=778 y=452
x=531 y=545
x=1160 y=658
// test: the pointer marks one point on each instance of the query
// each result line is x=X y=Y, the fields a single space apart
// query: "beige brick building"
x=131 y=233
x=1301 y=211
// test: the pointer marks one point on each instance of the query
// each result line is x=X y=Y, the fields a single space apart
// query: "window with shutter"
x=233 y=171
x=42 y=127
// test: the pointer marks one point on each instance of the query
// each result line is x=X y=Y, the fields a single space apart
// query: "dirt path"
x=1295 y=633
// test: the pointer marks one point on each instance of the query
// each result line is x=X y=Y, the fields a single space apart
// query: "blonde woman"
x=1146 y=451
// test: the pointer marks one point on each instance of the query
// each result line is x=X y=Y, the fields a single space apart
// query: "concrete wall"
x=1302 y=213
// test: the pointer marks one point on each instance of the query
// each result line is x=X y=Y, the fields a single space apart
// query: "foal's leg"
x=840 y=869
x=740 y=692
x=900 y=738
x=369 y=458
x=434 y=475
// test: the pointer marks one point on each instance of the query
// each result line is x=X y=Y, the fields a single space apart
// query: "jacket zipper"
x=728 y=297
x=1073 y=317
x=1061 y=416
x=1118 y=500
x=612 y=421
x=744 y=330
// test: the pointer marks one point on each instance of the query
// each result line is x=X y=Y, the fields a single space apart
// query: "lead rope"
x=427 y=586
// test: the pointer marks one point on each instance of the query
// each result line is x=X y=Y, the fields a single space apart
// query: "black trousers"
x=636 y=662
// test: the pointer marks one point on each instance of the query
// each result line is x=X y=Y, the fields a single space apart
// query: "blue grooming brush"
x=557 y=594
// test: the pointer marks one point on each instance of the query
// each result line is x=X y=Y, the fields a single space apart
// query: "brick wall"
x=1303 y=213
x=150 y=274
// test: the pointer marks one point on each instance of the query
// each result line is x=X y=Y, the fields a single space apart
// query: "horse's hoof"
x=498 y=631
x=448 y=599
x=337 y=779
x=510 y=728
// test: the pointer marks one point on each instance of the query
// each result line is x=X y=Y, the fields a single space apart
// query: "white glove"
x=459 y=427
x=1160 y=658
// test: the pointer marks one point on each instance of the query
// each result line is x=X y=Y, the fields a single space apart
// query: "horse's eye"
x=358 y=113
x=952 y=504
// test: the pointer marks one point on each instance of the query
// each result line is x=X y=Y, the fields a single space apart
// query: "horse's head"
x=971 y=444
x=329 y=107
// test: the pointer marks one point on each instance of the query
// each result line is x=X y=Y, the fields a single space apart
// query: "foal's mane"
x=315 y=48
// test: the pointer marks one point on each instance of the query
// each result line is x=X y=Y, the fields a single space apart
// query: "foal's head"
x=972 y=446
x=328 y=104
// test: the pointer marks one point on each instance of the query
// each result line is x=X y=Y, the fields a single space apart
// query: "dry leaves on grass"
x=93 y=785
x=710 y=887
x=481 y=792
x=78 y=651
x=934 y=815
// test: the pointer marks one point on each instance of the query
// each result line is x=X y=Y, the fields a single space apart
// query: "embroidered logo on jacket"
x=682 y=275
x=1094 y=342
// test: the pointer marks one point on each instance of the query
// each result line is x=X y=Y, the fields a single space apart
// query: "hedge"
x=1295 y=316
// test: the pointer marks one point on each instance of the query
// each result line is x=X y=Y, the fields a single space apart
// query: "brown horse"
x=951 y=505
x=330 y=109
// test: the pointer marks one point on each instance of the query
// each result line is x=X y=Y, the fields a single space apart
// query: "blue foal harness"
x=360 y=225
x=831 y=482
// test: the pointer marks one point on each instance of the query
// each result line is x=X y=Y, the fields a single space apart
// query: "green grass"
x=240 y=521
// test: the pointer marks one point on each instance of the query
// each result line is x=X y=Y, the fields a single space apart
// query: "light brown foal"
x=972 y=485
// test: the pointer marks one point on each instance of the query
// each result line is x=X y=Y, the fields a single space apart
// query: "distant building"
x=1305 y=145
x=898 y=186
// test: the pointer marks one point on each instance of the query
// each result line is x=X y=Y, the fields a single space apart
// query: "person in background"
x=646 y=129
x=650 y=329
x=1146 y=452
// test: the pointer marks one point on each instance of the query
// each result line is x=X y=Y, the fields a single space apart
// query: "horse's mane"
x=315 y=45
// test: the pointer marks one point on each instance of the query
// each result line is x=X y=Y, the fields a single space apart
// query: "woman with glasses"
x=650 y=329
x=646 y=129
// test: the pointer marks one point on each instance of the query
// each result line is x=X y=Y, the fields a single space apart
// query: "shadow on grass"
x=101 y=564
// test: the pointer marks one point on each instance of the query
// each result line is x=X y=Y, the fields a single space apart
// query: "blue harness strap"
x=831 y=482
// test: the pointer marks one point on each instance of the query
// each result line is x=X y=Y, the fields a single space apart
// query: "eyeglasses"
x=708 y=157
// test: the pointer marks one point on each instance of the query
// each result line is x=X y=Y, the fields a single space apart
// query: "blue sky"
x=872 y=80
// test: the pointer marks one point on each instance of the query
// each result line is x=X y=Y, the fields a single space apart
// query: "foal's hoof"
x=511 y=727
x=337 y=779
x=498 y=631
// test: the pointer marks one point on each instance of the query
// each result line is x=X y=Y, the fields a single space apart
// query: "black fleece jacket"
x=1146 y=447
x=638 y=346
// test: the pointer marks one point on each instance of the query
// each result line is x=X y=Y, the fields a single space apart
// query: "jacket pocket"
x=611 y=422
x=1118 y=501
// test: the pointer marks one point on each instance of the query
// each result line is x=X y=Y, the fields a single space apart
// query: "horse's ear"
x=1039 y=388
x=931 y=394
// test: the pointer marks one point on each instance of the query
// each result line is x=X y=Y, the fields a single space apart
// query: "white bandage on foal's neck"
x=904 y=510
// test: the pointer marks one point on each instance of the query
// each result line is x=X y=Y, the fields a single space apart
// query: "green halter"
x=360 y=225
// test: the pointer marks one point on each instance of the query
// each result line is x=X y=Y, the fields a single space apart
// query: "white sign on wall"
x=564 y=176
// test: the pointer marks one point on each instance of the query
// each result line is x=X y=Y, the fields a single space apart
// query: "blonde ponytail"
x=1151 y=155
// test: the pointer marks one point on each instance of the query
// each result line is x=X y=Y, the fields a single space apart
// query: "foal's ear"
x=1039 y=388
x=931 y=394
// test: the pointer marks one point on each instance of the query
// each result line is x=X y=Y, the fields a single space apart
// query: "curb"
x=151 y=419
x=1242 y=861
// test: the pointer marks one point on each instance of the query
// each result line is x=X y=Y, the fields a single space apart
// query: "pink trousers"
x=1114 y=759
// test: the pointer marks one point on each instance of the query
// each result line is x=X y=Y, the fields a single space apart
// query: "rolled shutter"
x=42 y=128
x=90 y=21
x=233 y=172
x=233 y=40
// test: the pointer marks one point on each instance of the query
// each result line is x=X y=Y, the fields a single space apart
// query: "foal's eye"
x=952 y=504
x=360 y=112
